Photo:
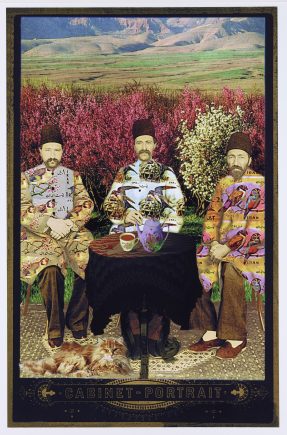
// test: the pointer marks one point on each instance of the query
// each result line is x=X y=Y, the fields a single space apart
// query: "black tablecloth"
x=117 y=280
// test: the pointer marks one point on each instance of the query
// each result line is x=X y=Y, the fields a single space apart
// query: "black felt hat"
x=142 y=127
x=51 y=133
x=239 y=141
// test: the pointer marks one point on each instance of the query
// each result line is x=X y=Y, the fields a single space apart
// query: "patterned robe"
x=58 y=193
x=151 y=188
x=236 y=217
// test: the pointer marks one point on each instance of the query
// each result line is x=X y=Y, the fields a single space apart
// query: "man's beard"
x=55 y=162
x=236 y=172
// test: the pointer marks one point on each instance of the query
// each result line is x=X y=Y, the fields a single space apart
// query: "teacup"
x=128 y=241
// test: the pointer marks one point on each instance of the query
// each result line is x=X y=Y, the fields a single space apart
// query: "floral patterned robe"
x=236 y=217
x=151 y=188
x=58 y=193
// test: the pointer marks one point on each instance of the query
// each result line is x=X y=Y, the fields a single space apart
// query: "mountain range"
x=46 y=36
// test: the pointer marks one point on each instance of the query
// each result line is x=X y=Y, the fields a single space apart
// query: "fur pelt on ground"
x=106 y=357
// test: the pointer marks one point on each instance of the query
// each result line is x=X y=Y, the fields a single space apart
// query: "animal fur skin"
x=107 y=357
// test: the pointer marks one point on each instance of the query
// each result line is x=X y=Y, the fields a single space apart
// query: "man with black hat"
x=145 y=188
x=141 y=190
x=231 y=253
x=54 y=209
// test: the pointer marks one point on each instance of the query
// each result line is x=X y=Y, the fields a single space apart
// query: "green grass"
x=207 y=70
x=35 y=297
x=145 y=60
x=148 y=61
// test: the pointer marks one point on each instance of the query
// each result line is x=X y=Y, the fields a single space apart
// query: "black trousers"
x=51 y=283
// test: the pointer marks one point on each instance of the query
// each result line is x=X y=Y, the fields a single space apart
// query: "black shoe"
x=155 y=347
x=171 y=348
x=79 y=334
x=55 y=342
x=165 y=350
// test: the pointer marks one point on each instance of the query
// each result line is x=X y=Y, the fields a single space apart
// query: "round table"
x=119 y=280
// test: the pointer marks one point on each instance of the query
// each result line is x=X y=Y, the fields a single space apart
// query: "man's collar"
x=140 y=162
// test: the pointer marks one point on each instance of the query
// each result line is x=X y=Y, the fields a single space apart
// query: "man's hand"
x=218 y=252
x=59 y=227
x=133 y=217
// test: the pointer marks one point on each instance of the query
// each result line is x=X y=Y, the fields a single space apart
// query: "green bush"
x=36 y=297
x=192 y=223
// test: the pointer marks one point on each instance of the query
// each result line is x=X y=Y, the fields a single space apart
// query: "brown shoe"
x=204 y=346
x=229 y=352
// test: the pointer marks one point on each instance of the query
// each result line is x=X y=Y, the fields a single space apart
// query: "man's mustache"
x=235 y=167
x=145 y=151
x=52 y=160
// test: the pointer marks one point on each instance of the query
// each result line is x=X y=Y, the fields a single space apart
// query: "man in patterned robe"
x=141 y=190
x=145 y=188
x=54 y=209
x=231 y=253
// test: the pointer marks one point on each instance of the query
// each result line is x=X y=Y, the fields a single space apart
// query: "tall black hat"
x=51 y=133
x=142 y=127
x=239 y=141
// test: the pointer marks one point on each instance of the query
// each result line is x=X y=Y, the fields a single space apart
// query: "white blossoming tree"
x=202 y=151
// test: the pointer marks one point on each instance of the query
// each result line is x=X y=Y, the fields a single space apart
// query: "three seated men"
x=55 y=207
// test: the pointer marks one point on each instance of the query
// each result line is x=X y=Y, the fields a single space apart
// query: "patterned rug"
x=249 y=365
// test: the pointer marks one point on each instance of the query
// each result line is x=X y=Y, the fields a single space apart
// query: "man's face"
x=51 y=153
x=237 y=161
x=144 y=147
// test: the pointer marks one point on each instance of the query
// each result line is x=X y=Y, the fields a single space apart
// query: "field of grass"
x=207 y=71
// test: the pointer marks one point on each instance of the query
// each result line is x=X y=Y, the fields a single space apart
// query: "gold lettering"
x=91 y=394
x=108 y=393
x=68 y=393
x=79 y=394
x=170 y=393
x=147 y=392
x=217 y=392
x=190 y=392
x=180 y=390
x=119 y=393
x=201 y=393
x=158 y=392
x=129 y=390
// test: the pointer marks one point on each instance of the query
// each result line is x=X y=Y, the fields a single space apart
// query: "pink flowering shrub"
x=253 y=107
x=96 y=128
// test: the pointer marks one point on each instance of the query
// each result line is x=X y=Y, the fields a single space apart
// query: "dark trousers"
x=230 y=324
x=51 y=283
